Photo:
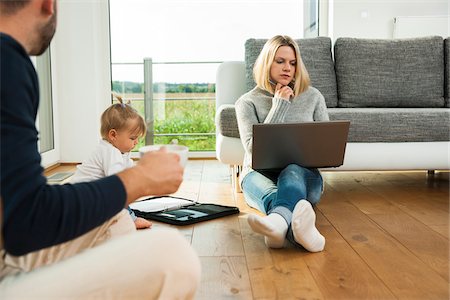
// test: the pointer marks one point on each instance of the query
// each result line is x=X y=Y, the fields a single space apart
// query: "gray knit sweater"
x=260 y=106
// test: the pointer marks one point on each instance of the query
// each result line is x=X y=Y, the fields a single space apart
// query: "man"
x=76 y=240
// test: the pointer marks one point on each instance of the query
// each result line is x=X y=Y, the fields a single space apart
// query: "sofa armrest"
x=226 y=122
x=230 y=82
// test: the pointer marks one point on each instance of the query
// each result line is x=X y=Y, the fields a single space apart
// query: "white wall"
x=81 y=60
x=374 y=18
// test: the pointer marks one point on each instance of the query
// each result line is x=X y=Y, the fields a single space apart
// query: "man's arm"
x=37 y=215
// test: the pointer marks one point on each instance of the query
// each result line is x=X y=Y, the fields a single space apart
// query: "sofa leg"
x=235 y=172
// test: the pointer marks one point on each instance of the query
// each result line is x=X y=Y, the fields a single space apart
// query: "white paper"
x=160 y=204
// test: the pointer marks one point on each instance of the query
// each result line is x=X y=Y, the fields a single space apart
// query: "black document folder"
x=187 y=213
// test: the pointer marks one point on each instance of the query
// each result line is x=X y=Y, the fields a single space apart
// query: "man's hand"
x=283 y=92
x=156 y=173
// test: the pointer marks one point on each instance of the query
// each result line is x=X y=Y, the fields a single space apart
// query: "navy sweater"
x=37 y=215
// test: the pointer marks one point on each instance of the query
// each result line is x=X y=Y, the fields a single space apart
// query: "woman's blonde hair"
x=261 y=69
x=117 y=117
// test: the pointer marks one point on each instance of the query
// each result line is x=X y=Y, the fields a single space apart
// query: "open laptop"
x=309 y=144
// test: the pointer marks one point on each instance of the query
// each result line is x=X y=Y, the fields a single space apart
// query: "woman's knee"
x=294 y=169
x=292 y=177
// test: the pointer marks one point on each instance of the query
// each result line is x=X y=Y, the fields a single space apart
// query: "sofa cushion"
x=395 y=124
x=390 y=73
x=316 y=55
x=226 y=121
x=447 y=72
x=371 y=124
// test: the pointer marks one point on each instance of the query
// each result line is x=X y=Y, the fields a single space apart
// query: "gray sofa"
x=394 y=92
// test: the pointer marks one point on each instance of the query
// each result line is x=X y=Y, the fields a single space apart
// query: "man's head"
x=39 y=15
x=10 y=7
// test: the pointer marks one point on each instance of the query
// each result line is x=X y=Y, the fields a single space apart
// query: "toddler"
x=121 y=128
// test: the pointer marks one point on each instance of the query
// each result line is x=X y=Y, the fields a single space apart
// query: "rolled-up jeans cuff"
x=284 y=212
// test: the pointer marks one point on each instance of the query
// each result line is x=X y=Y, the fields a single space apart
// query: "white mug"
x=181 y=150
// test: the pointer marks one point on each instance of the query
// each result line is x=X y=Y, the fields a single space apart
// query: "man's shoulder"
x=16 y=63
x=11 y=48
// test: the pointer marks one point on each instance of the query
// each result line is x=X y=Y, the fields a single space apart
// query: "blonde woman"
x=121 y=128
x=282 y=94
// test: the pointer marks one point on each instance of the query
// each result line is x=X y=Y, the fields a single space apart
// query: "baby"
x=121 y=128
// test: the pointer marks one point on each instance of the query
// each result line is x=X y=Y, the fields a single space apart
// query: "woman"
x=282 y=94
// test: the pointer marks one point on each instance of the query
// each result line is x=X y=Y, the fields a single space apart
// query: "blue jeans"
x=132 y=214
x=279 y=191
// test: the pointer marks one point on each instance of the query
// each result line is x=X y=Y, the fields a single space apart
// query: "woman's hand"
x=283 y=92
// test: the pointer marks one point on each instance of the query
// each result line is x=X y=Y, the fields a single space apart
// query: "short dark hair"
x=10 y=7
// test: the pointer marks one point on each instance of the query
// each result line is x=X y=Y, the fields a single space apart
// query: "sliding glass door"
x=185 y=41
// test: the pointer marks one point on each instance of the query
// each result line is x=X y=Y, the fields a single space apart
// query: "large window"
x=185 y=41
x=45 y=113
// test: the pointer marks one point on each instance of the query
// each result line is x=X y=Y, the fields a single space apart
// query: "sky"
x=193 y=31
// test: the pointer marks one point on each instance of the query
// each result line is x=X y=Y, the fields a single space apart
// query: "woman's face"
x=283 y=66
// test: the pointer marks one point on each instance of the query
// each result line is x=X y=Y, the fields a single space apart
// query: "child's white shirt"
x=106 y=160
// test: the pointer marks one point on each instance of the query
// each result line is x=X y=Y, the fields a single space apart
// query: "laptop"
x=309 y=144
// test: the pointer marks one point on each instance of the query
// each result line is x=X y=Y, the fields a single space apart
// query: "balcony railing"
x=151 y=101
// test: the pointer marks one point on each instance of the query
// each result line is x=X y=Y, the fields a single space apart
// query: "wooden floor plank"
x=442 y=230
x=387 y=237
x=340 y=272
x=220 y=237
x=276 y=273
x=224 y=278
x=403 y=273
x=424 y=203
x=215 y=185
x=432 y=210
x=192 y=179
x=421 y=240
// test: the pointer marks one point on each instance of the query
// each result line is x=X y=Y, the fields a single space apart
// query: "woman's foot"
x=304 y=227
x=273 y=227
x=142 y=223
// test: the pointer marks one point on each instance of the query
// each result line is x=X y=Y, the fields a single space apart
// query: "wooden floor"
x=387 y=237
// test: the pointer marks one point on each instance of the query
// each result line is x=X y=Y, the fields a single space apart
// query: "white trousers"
x=112 y=261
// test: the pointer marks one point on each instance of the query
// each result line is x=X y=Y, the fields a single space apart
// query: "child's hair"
x=117 y=117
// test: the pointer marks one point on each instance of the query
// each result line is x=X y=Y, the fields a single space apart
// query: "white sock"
x=273 y=227
x=304 y=227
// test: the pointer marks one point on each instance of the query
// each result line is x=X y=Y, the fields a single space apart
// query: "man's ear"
x=48 y=7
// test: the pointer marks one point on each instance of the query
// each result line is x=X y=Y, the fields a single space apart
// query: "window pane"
x=208 y=30
x=46 y=137
x=186 y=41
x=183 y=111
x=311 y=21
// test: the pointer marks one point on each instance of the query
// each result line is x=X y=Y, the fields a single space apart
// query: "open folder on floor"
x=179 y=211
